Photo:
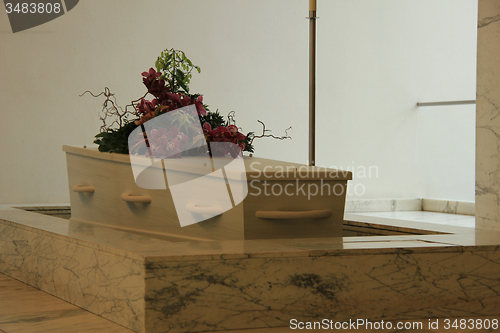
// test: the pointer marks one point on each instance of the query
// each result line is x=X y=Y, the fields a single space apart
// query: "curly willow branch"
x=230 y=118
x=264 y=135
x=112 y=114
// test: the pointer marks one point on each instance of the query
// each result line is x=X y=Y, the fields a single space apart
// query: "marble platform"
x=152 y=285
x=415 y=204
x=26 y=309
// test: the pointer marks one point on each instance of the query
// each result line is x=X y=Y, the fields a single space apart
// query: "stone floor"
x=25 y=309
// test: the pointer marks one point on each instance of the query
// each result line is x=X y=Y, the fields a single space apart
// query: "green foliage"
x=115 y=140
x=215 y=119
x=248 y=142
x=176 y=69
x=184 y=121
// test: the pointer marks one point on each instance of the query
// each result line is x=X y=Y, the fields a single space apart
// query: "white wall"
x=376 y=59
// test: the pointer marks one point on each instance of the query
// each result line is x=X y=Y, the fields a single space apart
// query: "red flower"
x=146 y=107
x=165 y=143
x=235 y=135
x=220 y=134
x=156 y=86
x=199 y=106
x=185 y=100
x=207 y=127
x=151 y=74
x=174 y=98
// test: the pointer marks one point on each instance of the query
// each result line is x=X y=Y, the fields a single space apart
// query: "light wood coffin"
x=284 y=200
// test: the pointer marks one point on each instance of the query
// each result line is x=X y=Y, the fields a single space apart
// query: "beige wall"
x=488 y=116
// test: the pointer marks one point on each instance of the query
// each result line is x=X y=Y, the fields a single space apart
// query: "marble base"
x=449 y=206
x=382 y=205
x=401 y=205
x=487 y=120
x=150 y=285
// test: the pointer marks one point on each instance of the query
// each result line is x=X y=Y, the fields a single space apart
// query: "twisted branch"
x=112 y=114
x=230 y=118
x=264 y=135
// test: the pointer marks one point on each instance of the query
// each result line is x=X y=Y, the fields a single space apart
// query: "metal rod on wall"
x=446 y=103
x=312 y=82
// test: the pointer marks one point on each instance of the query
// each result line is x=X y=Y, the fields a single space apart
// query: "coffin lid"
x=256 y=167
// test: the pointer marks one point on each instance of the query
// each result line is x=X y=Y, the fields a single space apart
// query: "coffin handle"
x=136 y=198
x=289 y=215
x=193 y=208
x=83 y=189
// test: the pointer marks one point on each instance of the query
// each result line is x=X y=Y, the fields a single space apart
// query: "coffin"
x=281 y=199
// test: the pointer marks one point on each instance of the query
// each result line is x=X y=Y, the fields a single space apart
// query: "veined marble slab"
x=150 y=285
x=104 y=283
x=382 y=205
x=487 y=120
x=449 y=207
x=417 y=219
x=400 y=205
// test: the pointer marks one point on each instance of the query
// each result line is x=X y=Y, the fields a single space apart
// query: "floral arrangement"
x=168 y=84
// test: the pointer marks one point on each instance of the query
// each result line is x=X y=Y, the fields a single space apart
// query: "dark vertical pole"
x=312 y=87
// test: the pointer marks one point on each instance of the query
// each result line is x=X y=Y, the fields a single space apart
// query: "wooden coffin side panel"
x=295 y=196
x=105 y=206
